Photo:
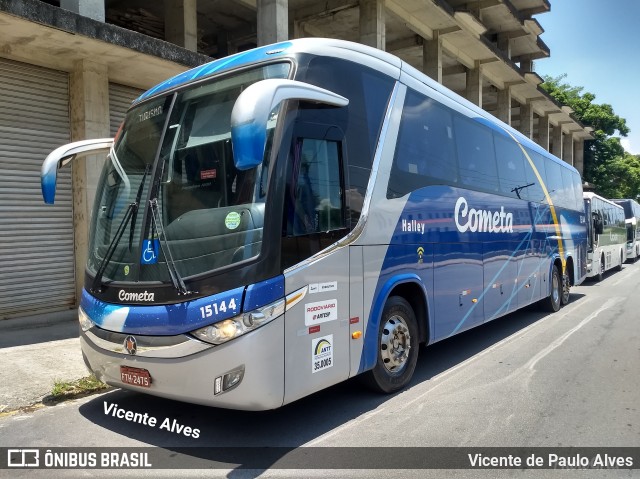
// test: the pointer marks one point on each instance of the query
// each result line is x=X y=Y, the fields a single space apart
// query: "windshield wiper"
x=137 y=204
x=97 y=281
x=176 y=279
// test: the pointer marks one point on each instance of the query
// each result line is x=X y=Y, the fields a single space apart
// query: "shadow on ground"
x=252 y=442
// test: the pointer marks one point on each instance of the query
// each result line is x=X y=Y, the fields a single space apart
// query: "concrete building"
x=70 y=68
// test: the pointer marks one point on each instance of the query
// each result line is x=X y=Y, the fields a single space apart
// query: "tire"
x=553 y=302
x=619 y=267
x=600 y=276
x=566 y=289
x=397 y=348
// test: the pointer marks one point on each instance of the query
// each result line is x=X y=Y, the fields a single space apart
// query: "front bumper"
x=191 y=378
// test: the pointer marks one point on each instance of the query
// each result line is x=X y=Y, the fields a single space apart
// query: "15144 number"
x=217 y=308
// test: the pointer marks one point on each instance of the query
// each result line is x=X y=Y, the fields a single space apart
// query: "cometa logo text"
x=481 y=220
x=142 y=296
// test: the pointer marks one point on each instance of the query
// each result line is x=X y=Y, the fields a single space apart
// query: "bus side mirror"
x=598 y=226
x=254 y=106
x=63 y=156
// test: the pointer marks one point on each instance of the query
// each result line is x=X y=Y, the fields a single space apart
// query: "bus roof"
x=368 y=56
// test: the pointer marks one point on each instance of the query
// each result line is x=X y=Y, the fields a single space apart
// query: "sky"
x=597 y=44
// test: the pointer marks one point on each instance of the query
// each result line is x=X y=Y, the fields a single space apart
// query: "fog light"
x=228 y=381
x=85 y=323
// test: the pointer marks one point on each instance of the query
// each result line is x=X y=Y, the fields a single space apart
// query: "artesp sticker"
x=320 y=312
x=321 y=353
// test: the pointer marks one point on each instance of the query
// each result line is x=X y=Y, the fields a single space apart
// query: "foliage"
x=613 y=171
x=69 y=389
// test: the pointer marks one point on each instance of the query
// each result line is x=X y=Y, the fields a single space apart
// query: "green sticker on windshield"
x=232 y=221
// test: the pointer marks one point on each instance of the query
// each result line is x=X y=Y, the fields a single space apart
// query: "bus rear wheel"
x=566 y=289
x=553 y=302
x=619 y=267
x=397 y=347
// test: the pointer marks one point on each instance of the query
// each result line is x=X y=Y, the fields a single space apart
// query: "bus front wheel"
x=553 y=301
x=600 y=276
x=397 y=347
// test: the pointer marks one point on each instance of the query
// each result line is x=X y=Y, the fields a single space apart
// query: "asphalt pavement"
x=35 y=352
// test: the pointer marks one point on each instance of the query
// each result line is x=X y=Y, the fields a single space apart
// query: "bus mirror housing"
x=254 y=106
x=597 y=224
x=63 y=156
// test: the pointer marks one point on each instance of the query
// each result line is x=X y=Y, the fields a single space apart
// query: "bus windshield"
x=172 y=186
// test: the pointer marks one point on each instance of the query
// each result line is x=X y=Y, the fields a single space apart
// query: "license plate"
x=135 y=376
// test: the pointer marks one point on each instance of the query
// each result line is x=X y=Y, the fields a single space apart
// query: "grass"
x=63 y=390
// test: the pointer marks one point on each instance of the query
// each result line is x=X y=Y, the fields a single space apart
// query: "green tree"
x=606 y=164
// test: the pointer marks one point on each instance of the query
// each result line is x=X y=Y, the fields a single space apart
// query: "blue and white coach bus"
x=632 y=222
x=275 y=222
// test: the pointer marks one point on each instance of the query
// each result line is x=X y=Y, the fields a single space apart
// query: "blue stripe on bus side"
x=440 y=228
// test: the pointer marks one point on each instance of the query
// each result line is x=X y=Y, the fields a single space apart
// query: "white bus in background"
x=632 y=222
x=606 y=247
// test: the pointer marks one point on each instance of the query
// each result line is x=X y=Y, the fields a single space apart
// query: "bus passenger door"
x=317 y=320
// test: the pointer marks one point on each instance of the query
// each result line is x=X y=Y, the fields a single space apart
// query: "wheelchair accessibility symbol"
x=150 y=250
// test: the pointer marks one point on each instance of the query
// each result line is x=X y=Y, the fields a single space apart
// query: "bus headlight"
x=223 y=331
x=85 y=322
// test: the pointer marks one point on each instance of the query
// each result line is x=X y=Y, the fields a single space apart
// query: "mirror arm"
x=61 y=157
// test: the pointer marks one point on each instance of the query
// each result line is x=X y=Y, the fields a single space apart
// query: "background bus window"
x=511 y=166
x=476 y=156
x=317 y=198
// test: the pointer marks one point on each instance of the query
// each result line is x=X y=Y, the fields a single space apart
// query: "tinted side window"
x=368 y=92
x=570 y=193
x=554 y=182
x=317 y=196
x=425 y=151
x=476 y=156
x=511 y=166
x=577 y=188
x=535 y=192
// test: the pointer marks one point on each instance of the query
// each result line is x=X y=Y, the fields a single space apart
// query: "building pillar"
x=432 y=57
x=526 y=120
x=526 y=66
x=87 y=8
x=578 y=155
x=543 y=131
x=504 y=44
x=473 y=92
x=372 y=27
x=273 y=21
x=504 y=105
x=181 y=23
x=89 y=112
x=567 y=148
x=556 y=141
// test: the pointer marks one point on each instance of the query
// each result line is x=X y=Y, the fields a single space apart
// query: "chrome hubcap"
x=555 y=284
x=395 y=344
